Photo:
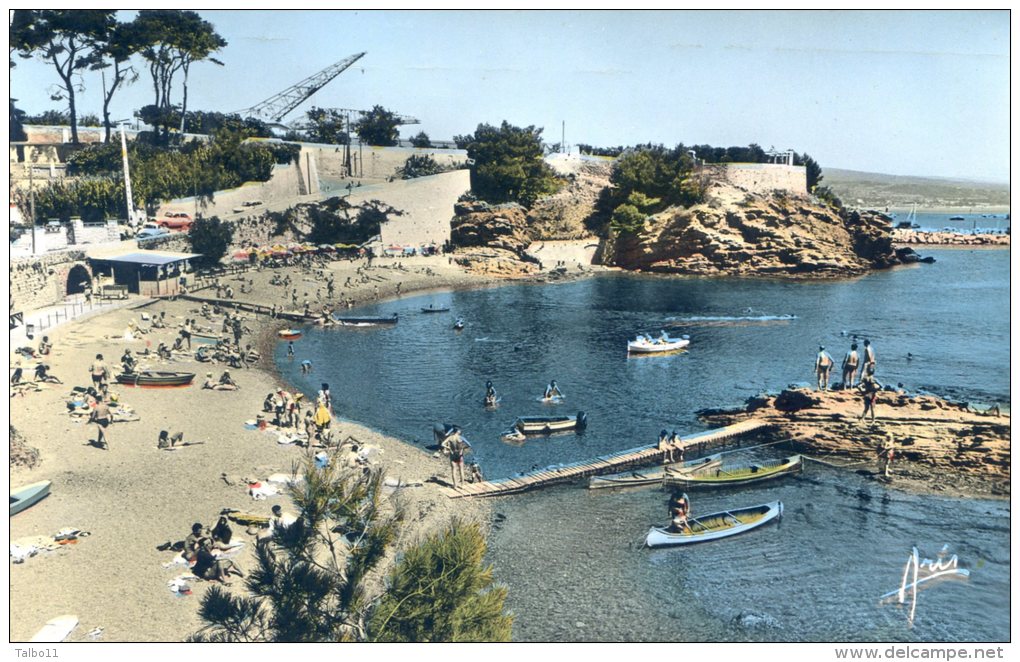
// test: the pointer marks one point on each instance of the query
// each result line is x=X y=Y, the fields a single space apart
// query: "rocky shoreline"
x=941 y=447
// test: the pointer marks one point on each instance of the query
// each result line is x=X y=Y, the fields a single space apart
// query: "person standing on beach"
x=102 y=417
x=100 y=373
x=455 y=448
x=850 y=367
x=868 y=359
x=823 y=366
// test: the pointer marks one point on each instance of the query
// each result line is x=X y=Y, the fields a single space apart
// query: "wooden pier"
x=611 y=463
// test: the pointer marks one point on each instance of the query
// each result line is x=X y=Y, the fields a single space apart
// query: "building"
x=149 y=273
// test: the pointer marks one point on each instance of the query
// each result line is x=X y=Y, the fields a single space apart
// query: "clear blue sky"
x=910 y=92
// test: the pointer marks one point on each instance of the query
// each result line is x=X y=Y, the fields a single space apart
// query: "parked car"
x=148 y=232
x=175 y=220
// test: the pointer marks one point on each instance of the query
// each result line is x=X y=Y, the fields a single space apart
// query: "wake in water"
x=748 y=317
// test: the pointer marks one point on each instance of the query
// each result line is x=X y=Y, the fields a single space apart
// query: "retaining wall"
x=762 y=177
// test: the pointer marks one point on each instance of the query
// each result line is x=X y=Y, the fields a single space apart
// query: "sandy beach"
x=134 y=497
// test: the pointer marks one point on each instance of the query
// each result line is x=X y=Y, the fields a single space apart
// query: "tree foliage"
x=378 y=127
x=170 y=41
x=327 y=125
x=337 y=221
x=508 y=164
x=420 y=165
x=17 y=124
x=68 y=40
x=421 y=140
x=160 y=174
x=210 y=237
x=113 y=53
x=310 y=581
x=442 y=591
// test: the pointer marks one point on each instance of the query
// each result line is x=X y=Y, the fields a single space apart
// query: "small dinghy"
x=431 y=309
x=654 y=475
x=152 y=378
x=717 y=525
x=289 y=334
x=29 y=495
x=723 y=476
x=525 y=425
x=648 y=345
x=206 y=338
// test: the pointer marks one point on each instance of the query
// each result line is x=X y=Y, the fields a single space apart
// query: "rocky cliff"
x=745 y=234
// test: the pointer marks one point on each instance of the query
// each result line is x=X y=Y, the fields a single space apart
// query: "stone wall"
x=762 y=177
x=42 y=280
x=93 y=233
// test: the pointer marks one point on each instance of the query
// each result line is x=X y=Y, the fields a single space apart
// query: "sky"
x=914 y=92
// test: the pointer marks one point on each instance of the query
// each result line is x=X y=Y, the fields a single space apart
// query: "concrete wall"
x=380 y=163
x=286 y=181
x=427 y=203
x=762 y=177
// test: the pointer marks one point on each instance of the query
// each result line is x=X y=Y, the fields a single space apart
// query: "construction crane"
x=276 y=107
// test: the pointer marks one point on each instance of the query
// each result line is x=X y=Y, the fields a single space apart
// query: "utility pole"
x=31 y=201
x=563 y=138
x=127 y=178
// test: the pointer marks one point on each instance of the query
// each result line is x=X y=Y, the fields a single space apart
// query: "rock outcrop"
x=563 y=214
x=745 y=234
x=940 y=445
x=479 y=224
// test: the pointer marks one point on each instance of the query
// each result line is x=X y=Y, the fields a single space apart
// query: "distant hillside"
x=875 y=190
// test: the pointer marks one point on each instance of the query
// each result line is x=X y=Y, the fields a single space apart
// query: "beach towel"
x=285 y=479
x=181 y=585
x=178 y=560
x=261 y=491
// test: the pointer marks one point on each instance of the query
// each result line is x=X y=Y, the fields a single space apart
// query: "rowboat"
x=717 y=525
x=653 y=475
x=525 y=425
x=205 y=338
x=430 y=309
x=647 y=345
x=153 y=378
x=289 y=334
x=366 y=321
x=740 y=475
x=29 y=495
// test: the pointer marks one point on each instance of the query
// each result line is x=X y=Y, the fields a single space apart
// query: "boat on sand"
x=27 y=496
x=153 y=378
x=717 y=525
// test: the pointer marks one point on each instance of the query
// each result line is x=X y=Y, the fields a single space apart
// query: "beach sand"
x=134 y=497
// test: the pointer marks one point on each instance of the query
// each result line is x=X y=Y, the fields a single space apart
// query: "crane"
x=276 y=107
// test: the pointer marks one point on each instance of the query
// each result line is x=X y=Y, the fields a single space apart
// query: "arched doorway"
x=78 y=279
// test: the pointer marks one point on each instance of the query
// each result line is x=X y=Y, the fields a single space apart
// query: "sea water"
x=574 y=561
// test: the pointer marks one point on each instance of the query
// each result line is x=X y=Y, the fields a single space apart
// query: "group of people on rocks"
x=855 y=366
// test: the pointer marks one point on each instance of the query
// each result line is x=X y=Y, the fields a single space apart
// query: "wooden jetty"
x=250 y=307
x=611 y=463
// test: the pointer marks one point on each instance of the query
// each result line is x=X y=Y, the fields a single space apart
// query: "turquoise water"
x=573 y=558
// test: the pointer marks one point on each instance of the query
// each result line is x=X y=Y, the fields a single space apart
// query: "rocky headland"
x=733 y=232
x=940 y=446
